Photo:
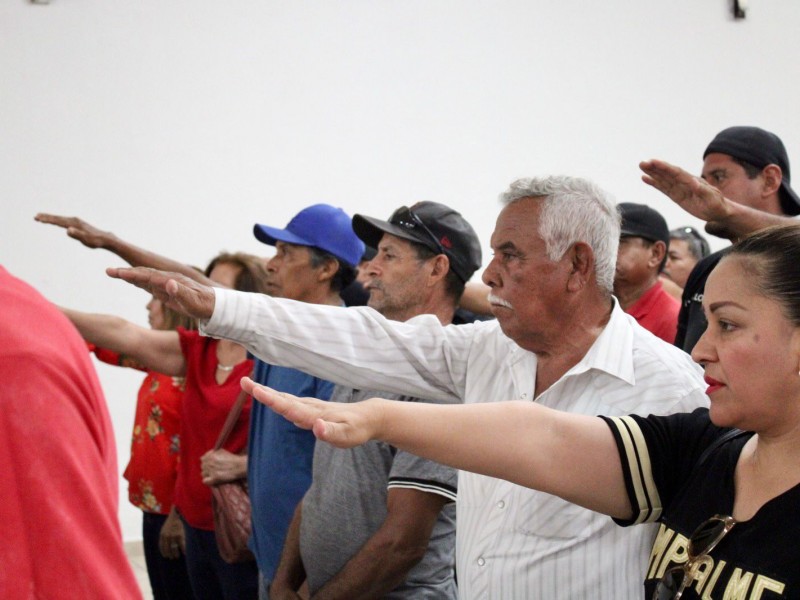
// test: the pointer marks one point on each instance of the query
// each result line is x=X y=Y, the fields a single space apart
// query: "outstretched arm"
x=173 y=289
x=572 y=456
x=157 y=350
x=724 y=218
x=92 y=237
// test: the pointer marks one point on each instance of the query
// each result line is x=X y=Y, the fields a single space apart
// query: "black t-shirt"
x=759 y=558
x=691 y=319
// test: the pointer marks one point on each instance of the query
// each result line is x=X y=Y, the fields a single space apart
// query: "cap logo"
x=445 y=241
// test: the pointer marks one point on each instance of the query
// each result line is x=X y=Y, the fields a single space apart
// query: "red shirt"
x=58 y=464
x=155 y=444
x=657 y=312
x=205 y=407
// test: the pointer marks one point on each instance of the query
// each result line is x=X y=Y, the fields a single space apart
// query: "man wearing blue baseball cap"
x=315 y=258
x=315 y=236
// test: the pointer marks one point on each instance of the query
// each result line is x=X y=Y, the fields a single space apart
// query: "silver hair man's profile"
x=574 y=210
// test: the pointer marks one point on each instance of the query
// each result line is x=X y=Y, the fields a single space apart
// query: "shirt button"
x=523 y=396
x=481 y=562
x=501 y=504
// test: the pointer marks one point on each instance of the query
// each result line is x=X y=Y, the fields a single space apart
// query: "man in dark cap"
x=744 y=187
x=643 y=245
x=378 y=522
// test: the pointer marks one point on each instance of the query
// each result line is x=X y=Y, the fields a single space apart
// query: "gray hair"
x=695 y=242
x=574 y=210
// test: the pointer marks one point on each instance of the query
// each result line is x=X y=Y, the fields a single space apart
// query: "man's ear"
x=581 y=258
x=772 y=177
x=657 y=253
x=440 y=266
x=327 y=270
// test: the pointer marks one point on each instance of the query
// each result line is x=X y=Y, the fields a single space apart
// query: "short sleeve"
x=412 y=472
x=658 y=454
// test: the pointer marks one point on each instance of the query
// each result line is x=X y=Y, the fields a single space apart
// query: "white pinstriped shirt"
x=511 y=542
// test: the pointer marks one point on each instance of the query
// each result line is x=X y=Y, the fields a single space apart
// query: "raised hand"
x=78 y=229
x=173 y=289
x=342 y=425
x=724 y=217
x=691 y=193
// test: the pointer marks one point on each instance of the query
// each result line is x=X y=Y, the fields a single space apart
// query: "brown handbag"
x=231 y=503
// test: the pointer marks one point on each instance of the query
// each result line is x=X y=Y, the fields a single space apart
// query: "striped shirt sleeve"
x=415 y=473
x=637 y=468
x=421 y=485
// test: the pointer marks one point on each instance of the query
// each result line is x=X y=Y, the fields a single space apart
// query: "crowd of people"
x=478 y=434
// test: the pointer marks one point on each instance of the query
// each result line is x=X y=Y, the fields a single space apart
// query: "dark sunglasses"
x=704 y=539
x=408 y=219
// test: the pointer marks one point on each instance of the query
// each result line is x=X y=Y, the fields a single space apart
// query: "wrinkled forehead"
x=288 y=246
x=718 y=161
x=390 y=241
x=521 y=217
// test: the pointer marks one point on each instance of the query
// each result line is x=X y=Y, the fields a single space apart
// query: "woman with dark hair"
x=724 y=482
x=212 y=370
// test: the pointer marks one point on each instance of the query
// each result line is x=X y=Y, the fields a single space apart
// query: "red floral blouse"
x=155 y=445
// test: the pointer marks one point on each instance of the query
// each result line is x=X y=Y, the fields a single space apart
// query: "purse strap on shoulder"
x=233 y=417
x=723 y=439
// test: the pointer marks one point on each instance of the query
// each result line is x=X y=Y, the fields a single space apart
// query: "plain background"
x=179 y=124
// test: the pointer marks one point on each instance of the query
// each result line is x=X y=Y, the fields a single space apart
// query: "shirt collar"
x=612 y=351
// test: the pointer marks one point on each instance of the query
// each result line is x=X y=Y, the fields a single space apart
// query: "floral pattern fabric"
x=155 y=444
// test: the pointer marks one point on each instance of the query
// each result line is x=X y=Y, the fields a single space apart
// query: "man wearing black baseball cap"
x=745 y=186
x=377 y=521
x=433 y=229
x=643 y=245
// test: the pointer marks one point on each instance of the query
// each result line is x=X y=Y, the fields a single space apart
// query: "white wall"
x=179 y=124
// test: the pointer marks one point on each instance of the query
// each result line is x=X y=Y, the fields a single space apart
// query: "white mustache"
x=498 y=301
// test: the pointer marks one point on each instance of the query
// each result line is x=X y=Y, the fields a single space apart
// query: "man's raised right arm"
x=351 y=346
x=92 y=237
x=177 y=291
x=724 y=218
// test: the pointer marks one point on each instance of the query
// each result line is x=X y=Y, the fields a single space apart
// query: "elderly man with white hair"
x=560 y=339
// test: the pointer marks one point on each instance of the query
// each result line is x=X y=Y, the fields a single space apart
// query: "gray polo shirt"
x=346 y=505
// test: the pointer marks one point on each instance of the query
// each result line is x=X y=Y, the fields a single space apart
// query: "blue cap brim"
x=270 y=235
